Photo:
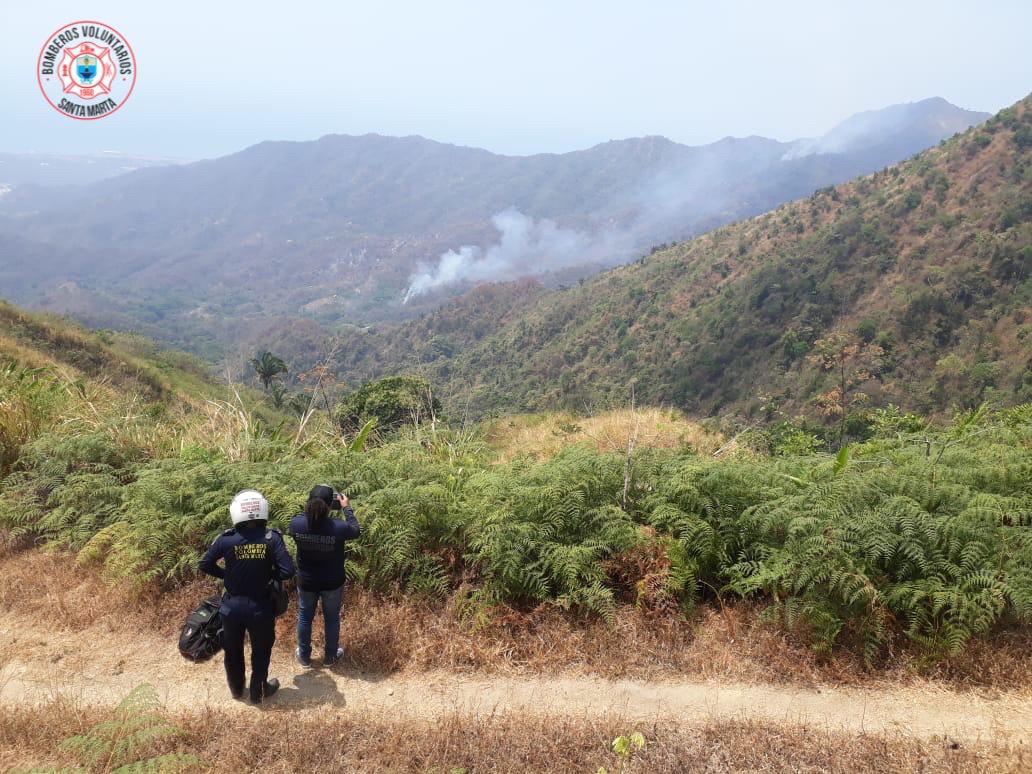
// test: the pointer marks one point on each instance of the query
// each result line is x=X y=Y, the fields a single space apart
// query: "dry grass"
x=11 y=348
x=729 y=644
x=116 y=388
x=386 y=635
x=289 y=741
x=544 y=435
x=67 y=595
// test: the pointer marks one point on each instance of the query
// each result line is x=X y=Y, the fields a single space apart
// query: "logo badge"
x=86 y=70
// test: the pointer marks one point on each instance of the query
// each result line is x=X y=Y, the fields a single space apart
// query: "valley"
x=335 y=231
x=663 y=457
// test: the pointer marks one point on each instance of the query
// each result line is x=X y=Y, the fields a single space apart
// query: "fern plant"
x=938 y=544
x=920 y=531
x=542 y=532
x=122 y=743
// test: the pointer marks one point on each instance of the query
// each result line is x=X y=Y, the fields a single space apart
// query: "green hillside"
x=121 y=361
x=910 y=286
x=55 y=373
x=917 y=536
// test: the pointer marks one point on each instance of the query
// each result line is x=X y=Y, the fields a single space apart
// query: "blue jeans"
x=307 y=602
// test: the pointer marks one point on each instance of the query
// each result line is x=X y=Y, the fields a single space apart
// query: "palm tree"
x=268 y=366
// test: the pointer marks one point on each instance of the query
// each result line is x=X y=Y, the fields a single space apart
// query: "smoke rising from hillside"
x=658 y=190
x=525 y=247
x=681 y=190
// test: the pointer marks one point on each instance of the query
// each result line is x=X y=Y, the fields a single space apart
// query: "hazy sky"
x=515 y=77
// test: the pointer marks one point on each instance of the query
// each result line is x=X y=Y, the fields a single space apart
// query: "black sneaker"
x=331 y=660
x=305 y=662
x=271 y=686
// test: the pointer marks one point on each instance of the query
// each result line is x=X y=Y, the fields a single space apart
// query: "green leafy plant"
x=28 y=398
x=278 y=396
x=920 y=532
x=358 y=443
x=124 y=742
x=625 y=748
x=392 y=402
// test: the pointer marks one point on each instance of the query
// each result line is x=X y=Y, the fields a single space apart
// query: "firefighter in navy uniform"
x=253 y=555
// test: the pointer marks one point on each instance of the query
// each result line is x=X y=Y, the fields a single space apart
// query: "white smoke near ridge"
x=533 y=247
x=669 y=203
x=692 y=190
x=670 y=200
x=525 y=247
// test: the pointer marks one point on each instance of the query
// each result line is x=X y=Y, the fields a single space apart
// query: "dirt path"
x=97 y=667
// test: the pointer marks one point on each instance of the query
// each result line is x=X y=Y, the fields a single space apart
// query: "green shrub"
x=542 y=532
x=936 y=538
x=28 y=398
x=392 y=402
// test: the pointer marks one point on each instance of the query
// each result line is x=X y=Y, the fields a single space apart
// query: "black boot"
x=271 y=686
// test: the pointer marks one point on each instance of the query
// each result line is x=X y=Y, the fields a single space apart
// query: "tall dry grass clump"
x=542 y=436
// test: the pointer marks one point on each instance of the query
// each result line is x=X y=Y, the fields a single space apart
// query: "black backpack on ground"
x=201 y=635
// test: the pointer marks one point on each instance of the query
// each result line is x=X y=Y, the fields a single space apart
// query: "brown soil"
x=385 y=636
x=98 y=666
x=71 y=648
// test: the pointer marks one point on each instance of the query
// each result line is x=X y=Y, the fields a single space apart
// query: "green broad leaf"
x=358 y=444
x=841 y=460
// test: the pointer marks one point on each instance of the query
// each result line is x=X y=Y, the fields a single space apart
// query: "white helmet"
x=248 y=505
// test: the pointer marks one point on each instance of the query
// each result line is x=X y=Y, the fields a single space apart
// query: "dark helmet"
x=325 y=493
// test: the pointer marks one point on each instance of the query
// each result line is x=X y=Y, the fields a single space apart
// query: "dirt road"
x=97 y=667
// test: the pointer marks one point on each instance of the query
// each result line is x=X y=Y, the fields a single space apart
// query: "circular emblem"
x=86 y=70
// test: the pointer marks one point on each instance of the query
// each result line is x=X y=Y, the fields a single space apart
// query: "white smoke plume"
x=525 y=247
x=669 y=203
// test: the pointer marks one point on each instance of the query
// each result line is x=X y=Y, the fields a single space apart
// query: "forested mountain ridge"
x=333 y=230
x=910 y=286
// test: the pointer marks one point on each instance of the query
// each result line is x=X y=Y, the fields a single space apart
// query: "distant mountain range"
x=19 y=170
x=911 y=286
x=346 y=228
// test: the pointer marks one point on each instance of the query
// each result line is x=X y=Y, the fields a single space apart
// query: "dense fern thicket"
x=921 y=532
x=920 y=276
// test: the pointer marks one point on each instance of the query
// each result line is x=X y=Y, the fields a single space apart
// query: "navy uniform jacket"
x=251 y=562
x=321 y=552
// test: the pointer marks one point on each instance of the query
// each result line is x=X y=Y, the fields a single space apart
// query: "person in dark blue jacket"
x=253 y=556
x=321 y=550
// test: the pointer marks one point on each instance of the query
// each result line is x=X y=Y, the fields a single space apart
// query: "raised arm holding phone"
x=321 y=540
